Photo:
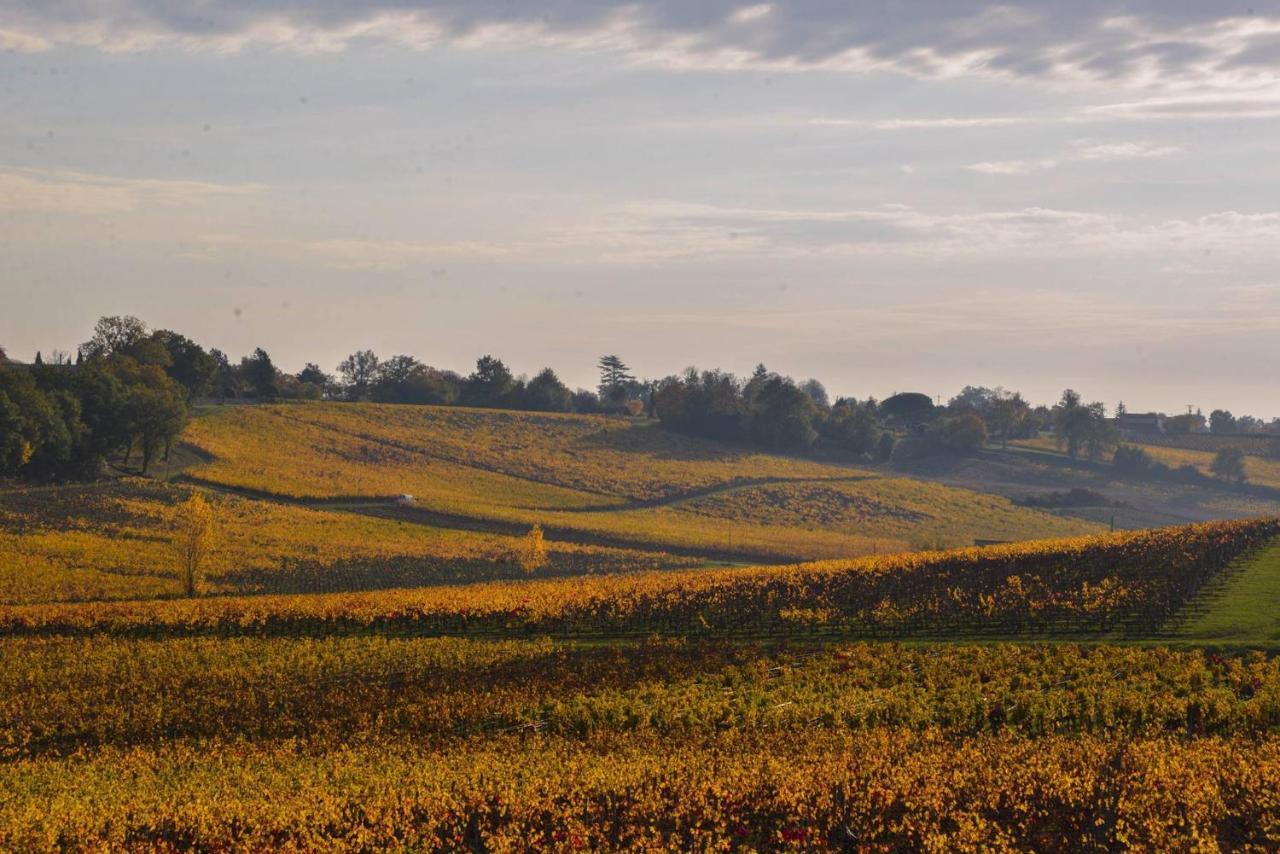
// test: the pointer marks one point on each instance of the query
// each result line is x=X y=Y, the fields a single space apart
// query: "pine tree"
x=615 y=378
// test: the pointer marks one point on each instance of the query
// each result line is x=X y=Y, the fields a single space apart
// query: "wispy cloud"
x=1001 y=167
x=1082 y=151
x=71 y=192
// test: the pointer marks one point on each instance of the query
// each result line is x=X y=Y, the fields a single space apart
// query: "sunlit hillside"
x=114 y=540
x=632 y=483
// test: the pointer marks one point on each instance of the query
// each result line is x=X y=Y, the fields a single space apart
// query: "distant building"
x=1139 y=425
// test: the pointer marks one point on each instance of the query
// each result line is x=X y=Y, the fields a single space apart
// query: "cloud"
x=1001 y=167
x=1190 y=107
x=1084 y=150
x=912 y=233
x=1177 y=44
x=1124 y=150
x=70 y=192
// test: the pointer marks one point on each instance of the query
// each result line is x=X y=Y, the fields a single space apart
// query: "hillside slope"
x=598 y=476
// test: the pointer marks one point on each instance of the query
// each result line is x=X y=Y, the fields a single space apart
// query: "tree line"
x=129 y=390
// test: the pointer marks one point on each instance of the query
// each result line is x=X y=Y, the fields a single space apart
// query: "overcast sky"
x=884 y=195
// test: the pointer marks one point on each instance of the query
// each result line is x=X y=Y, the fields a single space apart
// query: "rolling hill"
x=597 y=479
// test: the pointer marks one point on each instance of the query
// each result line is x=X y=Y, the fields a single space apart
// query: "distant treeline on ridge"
x=128 y=391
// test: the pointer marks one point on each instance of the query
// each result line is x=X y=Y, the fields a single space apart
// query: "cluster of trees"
x=363 y=376
x=779 y=413
x=404 y=379
x=1220 y=422
x=126 y=390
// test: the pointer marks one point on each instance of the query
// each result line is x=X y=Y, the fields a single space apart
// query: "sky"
x=888 y=196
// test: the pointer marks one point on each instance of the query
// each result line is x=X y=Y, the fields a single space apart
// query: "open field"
x=1263 y=472
x=113 y=540
x=596 y=476
x=1258 y=469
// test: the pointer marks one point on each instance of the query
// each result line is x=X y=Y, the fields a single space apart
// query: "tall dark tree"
x=909 y=408
x=115 y=336
x=1228 y=464
x=260 y=373
x=358 y=372
x=189 y=364
x=312 y=375
x=817 y=393
x=545 y=393
x=1222 y=421
x=616 y=380
x=783 y=415
x=1080 y=427
x=490 y=385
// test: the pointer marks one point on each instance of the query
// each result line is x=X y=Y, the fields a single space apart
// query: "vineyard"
x=1128 y=583
x=366 y=743
x=362 y=674
x=112 y=541
x=596 y=478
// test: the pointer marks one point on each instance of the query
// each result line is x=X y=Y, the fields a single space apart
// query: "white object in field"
x=404 y=500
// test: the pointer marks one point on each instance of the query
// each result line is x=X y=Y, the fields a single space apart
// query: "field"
x=372 y=742
x=112 y=540
x=363 y=676
x=595 y=477
x=1258 y=469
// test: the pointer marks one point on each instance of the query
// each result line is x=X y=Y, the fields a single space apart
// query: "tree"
x=852 y=427
x=227 y=379
x=1006 y=416
x=533 y=550
x=545 y=393
x=1221 y=421
x=117 y=335
x=193 y=540
x=189 y=364
x=38 y=430
x=490 y=385
x=817 y=393
x=782 y=416
x=312 y=375
x=1228 y=464
x=1079 y=427
x=973 y=399
x=358 y=371
x=585 y=401
x=615 y=380
x=960 y=434
x=1131 y=459
x=260 y=373
x=910 y=409
x=157 y=413
x=710 y=403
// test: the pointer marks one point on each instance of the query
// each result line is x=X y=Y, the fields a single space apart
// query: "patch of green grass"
x=1247 y=607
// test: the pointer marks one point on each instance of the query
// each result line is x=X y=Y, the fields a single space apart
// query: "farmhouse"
x=1140 y=425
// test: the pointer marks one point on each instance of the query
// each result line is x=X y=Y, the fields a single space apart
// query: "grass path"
x=1244 y=608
